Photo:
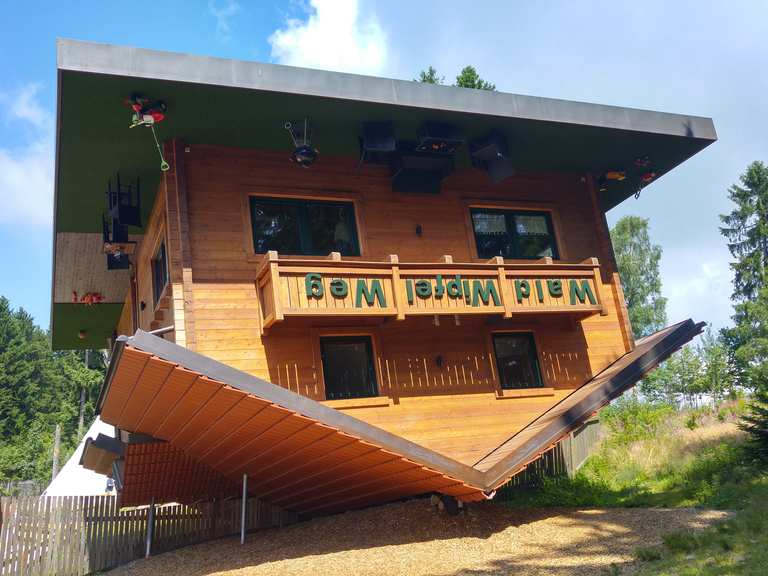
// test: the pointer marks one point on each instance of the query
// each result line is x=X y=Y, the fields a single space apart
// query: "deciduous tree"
x=638 y=261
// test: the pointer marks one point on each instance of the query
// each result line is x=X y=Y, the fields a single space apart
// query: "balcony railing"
x=295 y=286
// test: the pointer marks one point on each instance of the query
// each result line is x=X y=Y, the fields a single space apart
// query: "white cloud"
x=697 y=284
x=223 y=15
x=26 y=171
x=24 y=106
x=334 y=36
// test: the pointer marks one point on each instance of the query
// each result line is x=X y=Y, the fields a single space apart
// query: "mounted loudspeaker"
x=492 y=155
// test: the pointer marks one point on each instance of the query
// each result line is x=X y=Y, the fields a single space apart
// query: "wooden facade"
x=434 y=362
x=427 y=306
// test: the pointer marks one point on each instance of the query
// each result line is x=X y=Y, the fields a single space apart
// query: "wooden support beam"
x=397 y=289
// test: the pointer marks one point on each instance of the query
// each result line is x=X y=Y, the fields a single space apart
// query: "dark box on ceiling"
x=439 y=138
x=420 y=172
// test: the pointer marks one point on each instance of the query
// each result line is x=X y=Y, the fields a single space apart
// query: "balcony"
x=311 y=287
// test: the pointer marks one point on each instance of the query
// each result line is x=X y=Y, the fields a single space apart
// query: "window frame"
x=158 y=293
x=302 y=203
x=373 y=368
x=509 y=212
x=533 y=341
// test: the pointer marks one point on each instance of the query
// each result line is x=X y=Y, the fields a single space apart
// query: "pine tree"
x=429 y=76
x=467 y=78
x=746 y=229
x=39 y=388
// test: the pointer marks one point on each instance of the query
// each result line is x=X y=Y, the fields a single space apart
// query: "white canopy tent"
x=74 y=479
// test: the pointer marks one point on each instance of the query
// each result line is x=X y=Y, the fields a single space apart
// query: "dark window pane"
x=294 y=226
x=510 y=234
x=533 y=236
x=491 y=234
x=348 y=369
x=159 y=273
x=275 y=226
x=516 y=360
x=332 y=228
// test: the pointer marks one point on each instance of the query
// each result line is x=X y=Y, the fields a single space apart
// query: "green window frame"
x=348 y=367
x=517 y=361
x=159 y=273
x=513 y=234
x=303 y=227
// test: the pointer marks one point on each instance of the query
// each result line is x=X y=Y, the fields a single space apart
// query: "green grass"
x=652 y=456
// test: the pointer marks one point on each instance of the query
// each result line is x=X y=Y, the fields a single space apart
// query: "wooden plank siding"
x=450 y=406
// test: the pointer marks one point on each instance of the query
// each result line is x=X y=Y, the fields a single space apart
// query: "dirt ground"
x=412 y=538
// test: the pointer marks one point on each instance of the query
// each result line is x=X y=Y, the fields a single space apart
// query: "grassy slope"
x=654 y=457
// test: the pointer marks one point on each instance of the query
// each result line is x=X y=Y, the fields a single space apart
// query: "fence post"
x=214 y=516
x=242 y=511
x=150 y=529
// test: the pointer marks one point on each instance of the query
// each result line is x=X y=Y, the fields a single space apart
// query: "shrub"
x=755 y=423
x=680 y=542
x=648 y=554
x=629 y=420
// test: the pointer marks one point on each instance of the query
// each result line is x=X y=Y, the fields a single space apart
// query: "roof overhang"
x=307 y=457
x=246 y=104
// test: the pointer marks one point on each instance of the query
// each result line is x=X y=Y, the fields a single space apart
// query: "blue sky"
x=704 y=58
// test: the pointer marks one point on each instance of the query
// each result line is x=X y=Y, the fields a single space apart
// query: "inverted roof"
x=236 y=423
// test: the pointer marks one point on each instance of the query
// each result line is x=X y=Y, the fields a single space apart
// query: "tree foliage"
x=429 y=76
x=638 y=262
x=746 y=229
x=756 y=423
x=697 y=370
x=467 y=78
x=39 y=388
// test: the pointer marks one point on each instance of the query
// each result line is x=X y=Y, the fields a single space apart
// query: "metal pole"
x=242 y=511
x=150 y=529
x=56 y=449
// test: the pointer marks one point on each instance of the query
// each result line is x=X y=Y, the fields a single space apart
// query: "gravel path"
x=412 y=538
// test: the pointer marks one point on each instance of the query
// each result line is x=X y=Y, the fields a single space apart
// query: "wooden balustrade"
x=333 y=286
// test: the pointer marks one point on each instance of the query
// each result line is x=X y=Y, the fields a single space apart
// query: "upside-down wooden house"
x=346 y=289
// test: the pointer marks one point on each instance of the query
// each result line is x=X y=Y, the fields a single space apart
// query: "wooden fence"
x=563 y=460
x=82 y=535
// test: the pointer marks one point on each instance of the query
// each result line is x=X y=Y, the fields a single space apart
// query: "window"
x=511 y=234
x=308 y=227
x=516 y=361
x=159 y=273
x=348 y=369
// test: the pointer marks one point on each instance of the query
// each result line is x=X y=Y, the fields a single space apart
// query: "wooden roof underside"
x=219 y=423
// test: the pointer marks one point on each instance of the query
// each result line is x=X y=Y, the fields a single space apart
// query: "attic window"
x=159 y=273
